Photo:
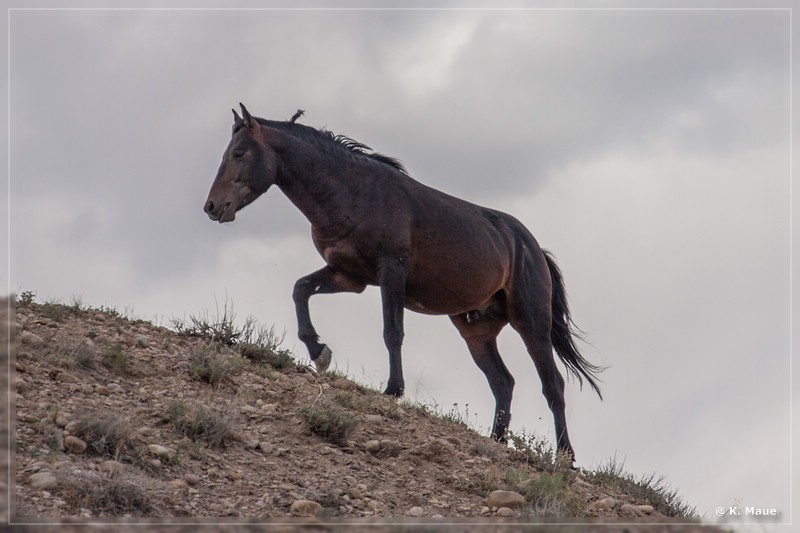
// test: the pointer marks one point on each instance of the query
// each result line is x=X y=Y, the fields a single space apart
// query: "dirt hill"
x=123 y=418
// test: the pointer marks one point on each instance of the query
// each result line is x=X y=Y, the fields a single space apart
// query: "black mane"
x=324 y=137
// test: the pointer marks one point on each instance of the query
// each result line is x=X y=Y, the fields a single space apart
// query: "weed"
x=351 y=400
x=650 y=489
x=26 y=298
x=549 y=496
x=199 y=422
x=539 y=453
x=106 y=434
x=115 y=497
x=212 y=367
x=330 y=424
x=54 y=311
x=115 y=358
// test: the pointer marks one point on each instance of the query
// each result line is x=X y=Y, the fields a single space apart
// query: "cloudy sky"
x=649 y=150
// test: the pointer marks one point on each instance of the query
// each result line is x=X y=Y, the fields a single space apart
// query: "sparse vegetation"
x=539 y=453
x=106 y=434
x=185 y=438
x=115 y=497
x=330 y=424
x=115 y=358
x=649 y=488
x=198 y=422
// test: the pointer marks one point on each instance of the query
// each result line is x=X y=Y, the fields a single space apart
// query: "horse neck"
x=317 y=183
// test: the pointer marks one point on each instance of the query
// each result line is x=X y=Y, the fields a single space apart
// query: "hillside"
x=123 y=418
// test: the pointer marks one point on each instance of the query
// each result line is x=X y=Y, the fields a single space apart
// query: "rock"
x=43 y=480
x=102 y=390
x=629 y=510
x=416 y=511
x=345 y=384
x=31 y=339
x=191 y=479
x=161 y=451
x=142 y=341
x=485 y=511
x=74 y=445
x=383 y=448
x=506 y=512
x=61 y=420
x=373 y=419
x=178 y=484
x=248 y=410
x=373 y=446
x=646 y=509
x=63 y=377
x=305 y=508
x=606 y=504
x=505 y=498
x=350 y=480
x=20 y=385
x=112 y=468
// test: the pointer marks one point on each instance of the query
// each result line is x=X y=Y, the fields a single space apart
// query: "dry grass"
x=330 y=424
x=198 y=422
x=106 y=434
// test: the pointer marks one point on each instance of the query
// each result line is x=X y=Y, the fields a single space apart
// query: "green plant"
x=54 y=310
x=212 y=367
x=330 y=424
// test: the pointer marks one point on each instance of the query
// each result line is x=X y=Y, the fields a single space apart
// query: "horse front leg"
x=323 y=281
x=392 y=279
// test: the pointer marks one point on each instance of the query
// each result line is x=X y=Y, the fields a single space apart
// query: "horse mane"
x=324 y=137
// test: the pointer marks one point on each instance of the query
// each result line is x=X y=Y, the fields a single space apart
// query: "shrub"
x=199 y=422
x=106 y=434
x=330 y=424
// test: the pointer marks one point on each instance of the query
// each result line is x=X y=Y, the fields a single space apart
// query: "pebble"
x=606 y=504
x=345 y=384
x=74 y=445
x=142 y=341
x=178 y=483
x=505 y=498
x=506 y=512
x=102 y=390
x=191 y=479
x=160 y=451
x=63 y=377
x=31 y=339
x=61 y=420
x=416 y=511
x=646 y=509
x=630 y=510
x=43 y=480
x=373 y=419
x=305 y=508
x=112 y=468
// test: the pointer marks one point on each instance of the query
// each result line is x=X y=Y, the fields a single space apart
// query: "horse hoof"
x=323 y=360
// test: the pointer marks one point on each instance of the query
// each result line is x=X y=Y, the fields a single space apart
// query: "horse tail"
x=564 y=332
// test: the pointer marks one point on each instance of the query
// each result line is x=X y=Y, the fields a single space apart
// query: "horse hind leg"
x=480 y=335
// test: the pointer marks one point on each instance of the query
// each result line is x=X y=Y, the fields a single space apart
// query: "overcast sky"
x=648 y=150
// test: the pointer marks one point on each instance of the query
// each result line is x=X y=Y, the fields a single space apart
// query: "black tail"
x=563 y=332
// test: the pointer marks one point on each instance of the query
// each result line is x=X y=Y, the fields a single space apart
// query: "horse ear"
x=237 y=120
x=248 y=118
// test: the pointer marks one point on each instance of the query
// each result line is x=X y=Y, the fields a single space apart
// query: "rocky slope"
x=122 y=418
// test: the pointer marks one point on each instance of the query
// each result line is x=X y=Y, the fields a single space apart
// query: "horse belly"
x=450 y=283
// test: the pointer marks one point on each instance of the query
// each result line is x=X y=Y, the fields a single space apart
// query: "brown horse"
x=427 y=251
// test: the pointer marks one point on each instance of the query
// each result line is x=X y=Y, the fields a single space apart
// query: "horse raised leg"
x=323 y=281
x=481 y=338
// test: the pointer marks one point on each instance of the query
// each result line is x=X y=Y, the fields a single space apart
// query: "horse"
x=428 y=251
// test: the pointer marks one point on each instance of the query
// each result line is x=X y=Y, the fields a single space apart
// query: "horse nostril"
x=209 y=206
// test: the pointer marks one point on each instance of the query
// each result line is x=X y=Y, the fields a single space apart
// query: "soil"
x=119 y=419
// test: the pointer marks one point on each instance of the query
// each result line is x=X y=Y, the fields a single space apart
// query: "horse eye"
x=238 y=154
